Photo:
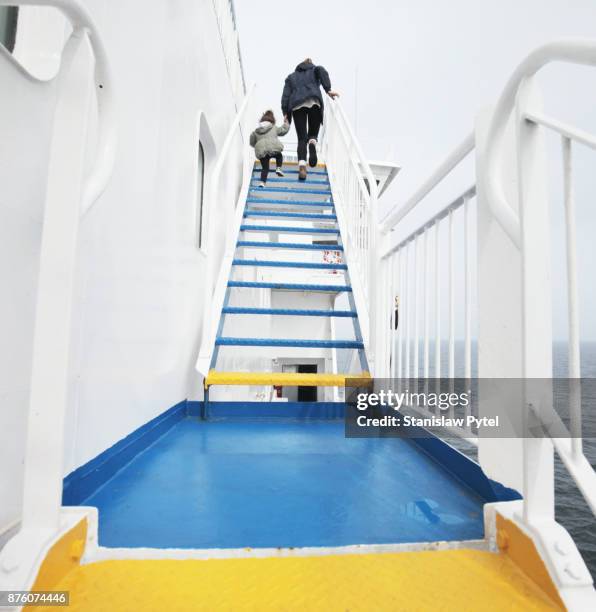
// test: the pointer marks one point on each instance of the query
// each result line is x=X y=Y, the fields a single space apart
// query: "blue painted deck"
x=232 y=483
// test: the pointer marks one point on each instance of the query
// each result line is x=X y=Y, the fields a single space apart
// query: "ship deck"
x=284 y=486
x=281 y=483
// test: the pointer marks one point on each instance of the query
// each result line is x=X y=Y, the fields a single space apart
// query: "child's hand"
x=333 y=94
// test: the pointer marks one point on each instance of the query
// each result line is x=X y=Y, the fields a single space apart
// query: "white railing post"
x=437 y=246
x=83 y=72
x=467 y=292
x=538 y=487
x=45 y=440
x=574 y=367
x=499 y=318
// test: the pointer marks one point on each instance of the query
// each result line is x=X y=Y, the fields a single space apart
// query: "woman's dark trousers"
x=308 y=122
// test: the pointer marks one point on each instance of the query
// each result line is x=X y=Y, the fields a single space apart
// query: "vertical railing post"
x=451 y=306
x=375 y=324
x=538 y=463
x=44 y=455
x=426 y=283
x=416 y=307
x=467 y=292
x=574 y=364
x=499 y=316
x=437 y=299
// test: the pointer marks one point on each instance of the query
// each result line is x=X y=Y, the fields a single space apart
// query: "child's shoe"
x=279 y=172
x=262 y=185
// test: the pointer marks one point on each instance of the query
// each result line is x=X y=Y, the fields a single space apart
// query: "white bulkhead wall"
x=137 y=308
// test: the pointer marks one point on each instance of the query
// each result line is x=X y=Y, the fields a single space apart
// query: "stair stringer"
x=353 y=274
x=205 y=358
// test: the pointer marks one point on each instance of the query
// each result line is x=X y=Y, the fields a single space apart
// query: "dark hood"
x=303 y=66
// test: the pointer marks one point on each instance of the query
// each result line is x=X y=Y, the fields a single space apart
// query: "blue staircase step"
x=289 y=286
x=290 y=245
x=235 y=310
x=290 y=190
x=276 y=179
x=345 y=344
x=287 y=229
x=288 y=215
x=289 y=202
x=289 y=264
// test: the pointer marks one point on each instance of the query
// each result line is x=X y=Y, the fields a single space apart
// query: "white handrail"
x=564 y=129
x=83 y=24
x=576 y=51
x=374 y=190
x=357 y=215
x=465 y=147
x=461 y=199
x=209 y=327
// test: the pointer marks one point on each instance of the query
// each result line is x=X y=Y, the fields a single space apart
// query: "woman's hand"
x=333 y=94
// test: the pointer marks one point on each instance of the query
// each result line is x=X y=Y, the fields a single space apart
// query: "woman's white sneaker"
x=279 y=172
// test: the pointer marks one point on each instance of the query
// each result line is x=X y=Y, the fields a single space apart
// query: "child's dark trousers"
x=279 y=160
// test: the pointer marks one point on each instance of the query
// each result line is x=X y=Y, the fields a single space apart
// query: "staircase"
x=287 y=274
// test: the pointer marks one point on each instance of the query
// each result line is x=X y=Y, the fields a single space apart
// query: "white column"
x=499 y=313
x=44 y=454
x=538 y=489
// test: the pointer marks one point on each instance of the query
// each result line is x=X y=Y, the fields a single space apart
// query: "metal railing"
x=413 y=279
x=356 y=206
x=510 y=195
x=70 y=192
x=225 y=206
x=519 y=101
x=83 y=26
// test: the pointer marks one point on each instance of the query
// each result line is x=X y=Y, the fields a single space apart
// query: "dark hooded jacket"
x=304 y=83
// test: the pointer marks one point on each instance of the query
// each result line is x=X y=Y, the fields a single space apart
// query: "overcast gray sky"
x=412 y=74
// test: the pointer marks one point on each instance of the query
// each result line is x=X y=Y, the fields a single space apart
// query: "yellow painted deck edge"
x=458 y=580
x=63 y=557
x=520 y=548
x=287 y=379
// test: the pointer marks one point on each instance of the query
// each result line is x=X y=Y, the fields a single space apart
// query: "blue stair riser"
x=288 y=286
x=287 y=229
x=290 y=190
x=289 y=202
x=277 y=179
x=231 y=310
x=289 y=264
x=289 y=215
x=340 y=344
x=290 y=245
